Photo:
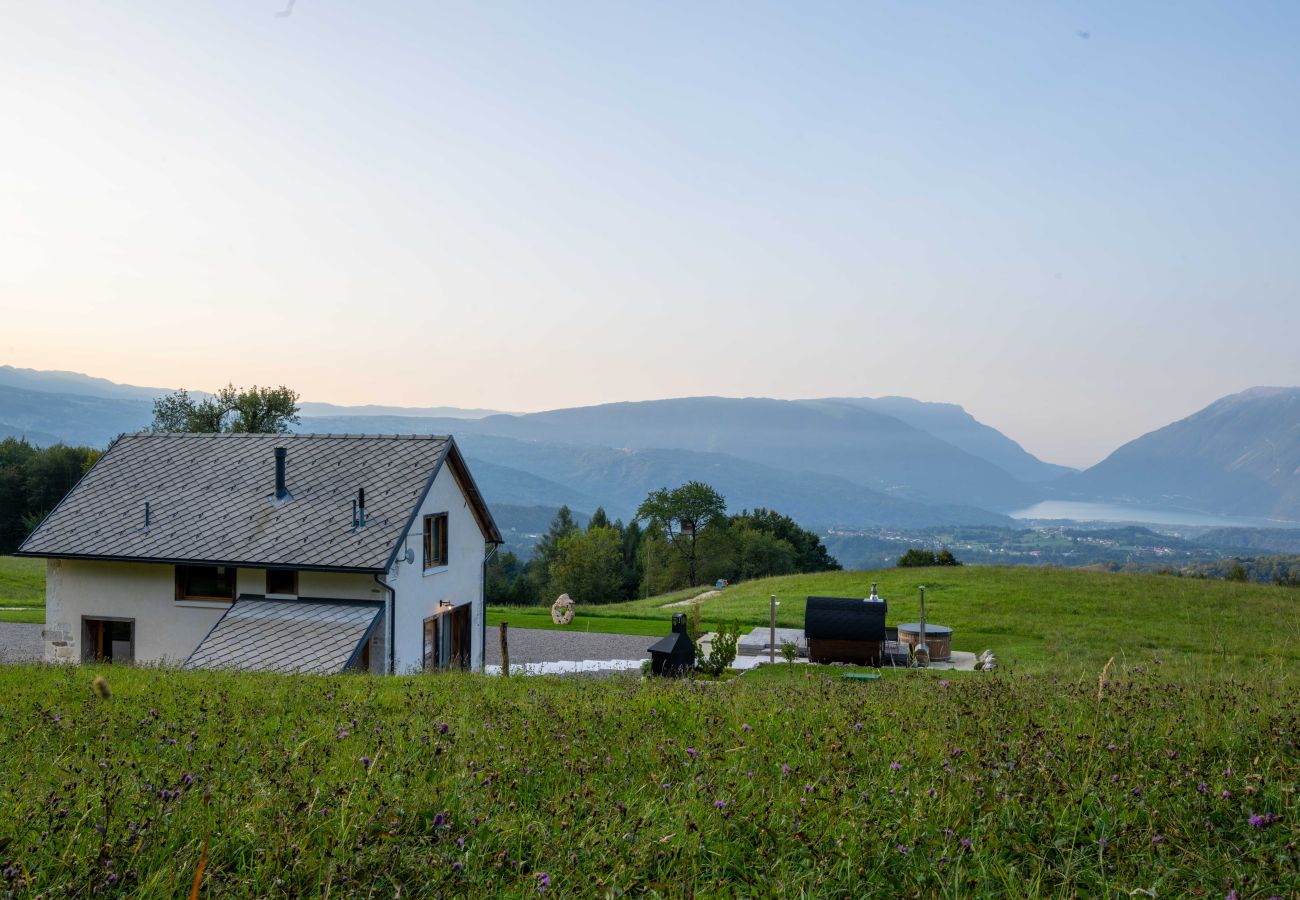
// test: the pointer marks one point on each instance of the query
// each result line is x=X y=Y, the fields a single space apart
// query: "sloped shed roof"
x=210 y=500
x=315 y=636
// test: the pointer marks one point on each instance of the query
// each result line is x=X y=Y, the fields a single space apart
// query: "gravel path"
x=20 y=642
x=534 y=645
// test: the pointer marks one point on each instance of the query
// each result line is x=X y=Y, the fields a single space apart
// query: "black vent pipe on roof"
x=280 y=490
x=361 y=506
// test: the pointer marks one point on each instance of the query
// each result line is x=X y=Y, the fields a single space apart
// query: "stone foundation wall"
x=60 y=644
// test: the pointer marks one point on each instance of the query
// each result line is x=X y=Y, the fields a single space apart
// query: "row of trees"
x=32 y=481
x=687 y=539
x=920 y=558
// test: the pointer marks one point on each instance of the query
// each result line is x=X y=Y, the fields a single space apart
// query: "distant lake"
x=1079 y=511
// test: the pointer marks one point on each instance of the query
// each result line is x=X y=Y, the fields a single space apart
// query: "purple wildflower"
x=720 y=804
x=895 y=766
x=965 y=843
x=692 y=752
x=1157 y=839
x=745 y=727
x=456 y=866
x=365 y=761
x=543 y=881
x=903 y=848
x=943 y=682
x=438 y=820
x=1263 y=821
x=785 y=769
x=1225 y=795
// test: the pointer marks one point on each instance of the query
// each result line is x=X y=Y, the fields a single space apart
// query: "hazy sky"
x=1080 y=221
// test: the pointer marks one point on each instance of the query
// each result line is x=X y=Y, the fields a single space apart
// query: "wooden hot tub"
x=937 y=637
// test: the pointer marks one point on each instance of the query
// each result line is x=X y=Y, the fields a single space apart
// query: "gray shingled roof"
x=210 y=500
x=311 y=636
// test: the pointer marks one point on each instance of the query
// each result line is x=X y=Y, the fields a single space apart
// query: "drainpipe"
x=390 y=613
x=482 y=589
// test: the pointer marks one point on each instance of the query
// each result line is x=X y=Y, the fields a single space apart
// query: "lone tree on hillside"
x=682 y=514
x=256 y=410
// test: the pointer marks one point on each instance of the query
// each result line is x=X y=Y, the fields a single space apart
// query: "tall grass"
x=794 y=783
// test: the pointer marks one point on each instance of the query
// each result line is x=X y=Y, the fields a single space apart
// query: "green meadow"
x=1139 y=739
x=1124 y=781
x=1029 y=617
x=22 y=589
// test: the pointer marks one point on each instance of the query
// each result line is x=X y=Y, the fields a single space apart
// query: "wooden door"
x=432 y=657
x=460 y=637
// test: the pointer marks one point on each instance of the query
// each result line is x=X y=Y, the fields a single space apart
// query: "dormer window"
x=435 y=541
x=211 y=583
x=282 y=582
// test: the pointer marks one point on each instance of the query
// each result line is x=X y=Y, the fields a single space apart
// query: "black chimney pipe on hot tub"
x=281 y=453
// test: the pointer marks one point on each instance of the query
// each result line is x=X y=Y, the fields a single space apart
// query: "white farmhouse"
x=287 y=552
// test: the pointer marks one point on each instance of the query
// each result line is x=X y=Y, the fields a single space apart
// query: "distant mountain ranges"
x=1238 y=456
x=847 y=462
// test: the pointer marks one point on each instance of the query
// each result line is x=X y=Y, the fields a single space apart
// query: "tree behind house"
x=253 y=411
x=681 y=514
x=32 y=481
x=589 y=566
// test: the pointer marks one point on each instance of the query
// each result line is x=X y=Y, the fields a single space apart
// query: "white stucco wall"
x=165 y=631
x=461 y=581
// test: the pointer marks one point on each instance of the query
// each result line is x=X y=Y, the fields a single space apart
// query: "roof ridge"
x=353 y=436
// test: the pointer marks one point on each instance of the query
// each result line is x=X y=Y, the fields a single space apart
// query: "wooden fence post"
x=505 y=652
x=771 y=649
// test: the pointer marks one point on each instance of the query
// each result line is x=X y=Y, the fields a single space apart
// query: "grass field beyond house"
x=22 y=585
x=1033 y=617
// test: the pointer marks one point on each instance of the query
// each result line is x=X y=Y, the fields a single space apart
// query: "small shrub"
x=789 y=651
x=722 y=652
